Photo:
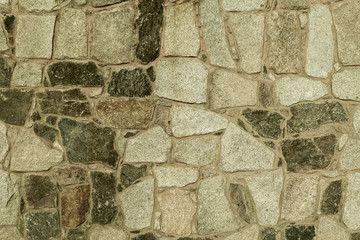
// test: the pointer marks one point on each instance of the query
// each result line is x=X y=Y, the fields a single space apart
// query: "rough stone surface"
x=76 y=234
x=329 y=229
x=129 y=83
x=45 y=132
x=265 y=189
x=40 y=192
x=10 y=233
x=181 y=80
x=285 y=42
x=294 y=90
x=9 y=200
x=70 y=175
x=4 y=142
x=128 y=113
x=31 y=154
x=108 y=233
x=346 y=19
x=75 y=74
x=241 y=198
x=245 y=5
x=241 y=151
x=214 y=213
x=42 y=225
x=331 y=197
x=100 y=3
x=181 y=38
x=356 y=122
x=130 y=174
x=75 y=205
x=6 y=69
x=266 y=94
x=27 y=75
x=214 y=34
x=250 y=233
x=299 y=198
x=351 y=215
x=268 y=234
x=34 y=36
x=349 y=159
x=113 y=35
x=47 y=5
x=175 y=176
x=14 y=105
x=231 y=90
x=303 y=232
x=249 y=30
x=345 y=84
x=320 y=50
x=104 y=208
x=138 y=203
x=3 y=44
x=177 y=210
x=150 y=146
x=200 y=151
x=295 y=4
x=71 y=41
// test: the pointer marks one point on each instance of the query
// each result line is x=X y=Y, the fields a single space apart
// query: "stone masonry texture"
x=179 y=119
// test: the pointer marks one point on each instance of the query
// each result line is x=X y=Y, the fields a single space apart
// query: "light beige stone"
x=231 y=90
x=4 y=143
x=177 y=210
x=345 y=84
x=349 y=159
x=250 y=233
x=214 y=214
x=71 y=41
x=3 y=42
x=241 y=151
x=356 y=121
x=294 y=90
x=4 y=1
x=175 y=176
x=44 y=5
x=351 y=215
x=10 y=198
x=34 y=36
x=189 y=121
x=342 y=141
x=329 y=229
x=249 y=31
x=107 y=233
x=181 y=38
x=320 y=50
x=181 y=80
x=27 y=75
x=138 y=203
x=303 y=19
x=214 y=34
x=245 y=5
x=10 y=233
x=113 y=35
x=150 y=146
x=29 y=153
x=80 y=2
x=199 y=151
x=265 y=189
x=346 y=18
x=299 y=198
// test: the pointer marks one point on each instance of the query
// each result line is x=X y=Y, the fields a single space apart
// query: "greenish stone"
x=266 y=123
x=129 y=83
x=146 y=236
x=42 y=225
x=9 y=22
x=103 y=193
x=331 y=198
x=45 y=132
x=35 y=116
x=310 y=116
x=150 y=23
x=69 y=103
x=40 y=192
x=51 y=120
x=300 y=233
x=355 y=236
x=76 y=234
x=242 y=199
x=75 y=74
x=15 y=105
x=308 y=154
x=88 y=143
x=268 y=234
x=6 y=69
x=129 y=174
x=151 y=73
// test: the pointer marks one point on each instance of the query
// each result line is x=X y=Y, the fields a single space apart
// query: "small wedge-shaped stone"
x=4 y=143
x=175 y=176
x=331 y=198
x=31 y=154
x=250 y=233
x=6 y=69
x=138 y=203
x=10 y=199
x=81 y=142
x=294 y=90
x=329 y=229
x=345 y=84
x=351 y=215
x=241 y=198
x=45 y=5
x=189 y=121
x=245 y=5
x=265 y=189
x=320 y=50
x=241 y=151
x=214 y=34
x=214 y=214
x=349 y=159
x=150 y=146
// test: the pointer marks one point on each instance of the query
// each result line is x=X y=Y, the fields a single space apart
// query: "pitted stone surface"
x=3 y=44
x=329 y=229
x=46 y=5
x=250 y=233
x=351 y=213
x=245 y=5
x=241 y=198
x=108 y=233
x=6 y=69
x=4 y=142
x=42 y=225
x=40 y=191
x=10 y=233
x=27 y=75
x=331 y=198
x=10 y=199
x=345 y=84
x=294 y=4
x=175 y=176
x=349 y=159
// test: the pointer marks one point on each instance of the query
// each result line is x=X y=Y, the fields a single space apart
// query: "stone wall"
x=180 y=119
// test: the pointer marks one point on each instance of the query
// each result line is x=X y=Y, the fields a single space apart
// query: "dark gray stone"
x=294 y=232
x=40 y=192
x=9 y=22
x=331 y=198
x=45 y=132
x=42 y=225
x=76 y=234
x=6 y=69
x=129 y=174
x=268 y=234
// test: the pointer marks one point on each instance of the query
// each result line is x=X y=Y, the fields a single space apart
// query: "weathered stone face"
x=6 y=69
x=146 y=236
x=241 y=198
x=130 y=173
x=40 y=192
x=268 y=234
x=75 y=74
x=76 y=234
x=42 y=225
x=331 y=198
x=45 y=132
x=70 y=175
x=296 y=232
x=100 y=3
x=295 y=4
x=175 y=176
x=10 y=199
x=81 y=142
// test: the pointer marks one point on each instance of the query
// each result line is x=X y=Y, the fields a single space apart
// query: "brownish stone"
x=126 y=113
x=40 y=192
x=75 y=205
